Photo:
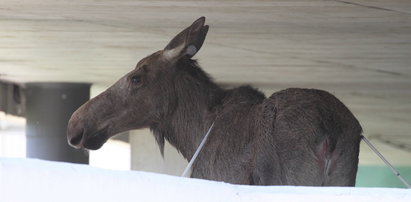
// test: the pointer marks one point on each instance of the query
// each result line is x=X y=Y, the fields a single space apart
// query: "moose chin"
x=294 y=137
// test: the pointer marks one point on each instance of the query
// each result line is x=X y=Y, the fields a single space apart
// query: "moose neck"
x=197 y=99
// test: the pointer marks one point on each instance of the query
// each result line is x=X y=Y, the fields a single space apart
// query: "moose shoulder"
x=295 y=137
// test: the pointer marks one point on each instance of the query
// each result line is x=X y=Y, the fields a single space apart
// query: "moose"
x=296 y=136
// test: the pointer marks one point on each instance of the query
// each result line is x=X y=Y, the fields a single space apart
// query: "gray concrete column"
x=48 y=109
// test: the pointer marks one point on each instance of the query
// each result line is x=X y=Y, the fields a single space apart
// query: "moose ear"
x=187 y=42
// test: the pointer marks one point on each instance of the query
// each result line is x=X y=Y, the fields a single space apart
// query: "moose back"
x=294 y=137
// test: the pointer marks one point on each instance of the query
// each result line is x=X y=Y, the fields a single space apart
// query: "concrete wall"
x=381 y=176
x=146 y=156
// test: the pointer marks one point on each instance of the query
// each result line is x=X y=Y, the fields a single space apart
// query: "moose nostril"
x=76 y=139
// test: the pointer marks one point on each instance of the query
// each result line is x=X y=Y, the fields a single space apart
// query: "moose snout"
x=75 y=134
x=85 y=132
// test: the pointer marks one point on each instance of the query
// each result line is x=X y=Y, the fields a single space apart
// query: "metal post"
x=48 y=109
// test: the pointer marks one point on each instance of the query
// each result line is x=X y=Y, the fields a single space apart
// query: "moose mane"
x=197 y=99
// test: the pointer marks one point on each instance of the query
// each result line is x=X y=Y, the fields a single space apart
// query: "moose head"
x=141 y=98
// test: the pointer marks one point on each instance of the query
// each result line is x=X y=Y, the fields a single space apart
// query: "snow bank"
x=43 y=181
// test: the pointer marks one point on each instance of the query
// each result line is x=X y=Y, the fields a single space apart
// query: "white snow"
x=32 y=180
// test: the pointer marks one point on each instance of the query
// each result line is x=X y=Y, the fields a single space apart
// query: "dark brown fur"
x=294 y=137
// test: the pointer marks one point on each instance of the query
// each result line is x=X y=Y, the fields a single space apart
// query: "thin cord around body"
x=190 y=164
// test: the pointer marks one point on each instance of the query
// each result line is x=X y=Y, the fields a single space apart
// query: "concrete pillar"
x=48 y=109
x=11 y=98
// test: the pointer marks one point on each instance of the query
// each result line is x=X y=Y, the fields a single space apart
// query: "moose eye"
x=135 y=79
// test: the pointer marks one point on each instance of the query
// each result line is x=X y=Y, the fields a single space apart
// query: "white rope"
x=197 y=152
